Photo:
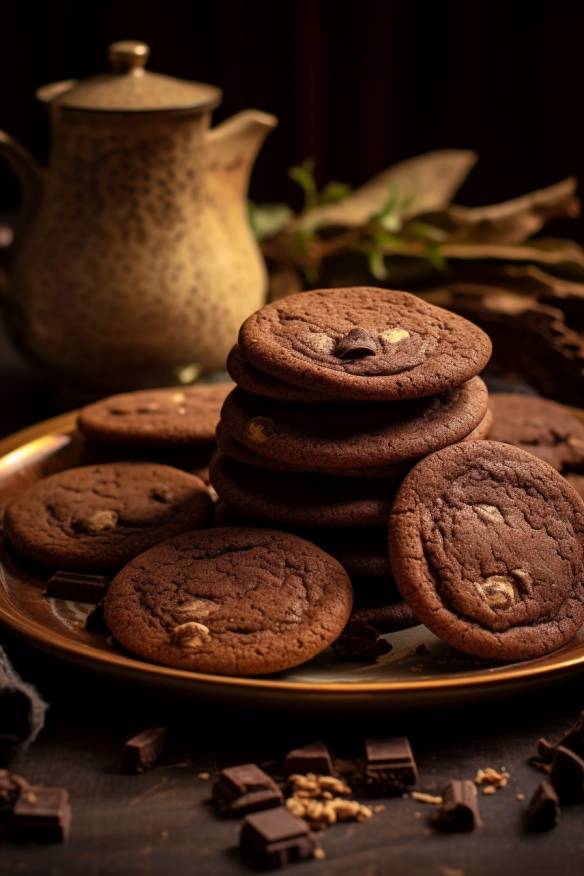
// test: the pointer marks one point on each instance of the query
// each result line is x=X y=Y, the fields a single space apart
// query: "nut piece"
x=497 y=591
x=489 y=513
x=493 y=778
x=190 y=635
x=394 y=335
x=99 y=521
x=258 y=429
x=197 y=608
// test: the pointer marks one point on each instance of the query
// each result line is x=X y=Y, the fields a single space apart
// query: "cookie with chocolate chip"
x=156 y=418
x=96 y=518
x=357 y=436
x=300 y=500
x=232 y=601
x=487 y=547
x=363 y=343
x=540 y=426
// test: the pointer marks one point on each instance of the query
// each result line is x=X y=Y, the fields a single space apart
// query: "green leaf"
x=426 y=231
x=377 y=264
x=334 y=192
x=303 y=174
x=267 y=220
x=433 y=254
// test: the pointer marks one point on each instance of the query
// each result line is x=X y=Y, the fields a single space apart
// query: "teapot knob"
x=128 y=55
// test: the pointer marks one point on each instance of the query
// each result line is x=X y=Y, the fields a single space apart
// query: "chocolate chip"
x=543 y=811
x=243 y=789
x=77 y=587
x=42 y=815
x=313 y=758
x=275 y=838
x=360 y=641
x=460 y=808
x=567 y=775
x=143 y=750
x=390 y=767
x=95 y=620
x=355 y=345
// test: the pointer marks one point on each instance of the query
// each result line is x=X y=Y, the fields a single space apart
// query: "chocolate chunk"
x=77 y=587
x=543 y=811
x=460 y=808
x=567 y=775
x=143 y=750
x=390 y=767
x=42 y=815
x=360 y=641
x=245 y=788
x=95 y=620
x=355 y=345
x=313 y=758
x=275 y=838
x=545 y=750
x=11 y=787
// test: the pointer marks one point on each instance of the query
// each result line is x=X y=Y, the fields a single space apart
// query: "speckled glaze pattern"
x=139 y=261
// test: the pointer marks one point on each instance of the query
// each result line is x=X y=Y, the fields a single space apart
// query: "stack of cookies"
x=339 y=393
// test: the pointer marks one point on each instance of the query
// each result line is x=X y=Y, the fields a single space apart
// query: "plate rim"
x=41 y=636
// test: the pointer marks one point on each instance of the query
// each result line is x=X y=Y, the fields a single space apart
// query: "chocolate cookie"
x=486 y=546
x=358 y=436
x=540 y=426
x=239 y=452
x=230 y=601
x=387 y=618
x=364 y=343
x=99 y=517
x=255 y=381
x=577 y=482
x=309 y=500
x=156 y=418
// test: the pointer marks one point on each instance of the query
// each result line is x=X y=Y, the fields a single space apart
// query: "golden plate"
x=408 y=677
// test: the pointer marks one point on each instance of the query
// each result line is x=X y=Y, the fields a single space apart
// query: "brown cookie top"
x=230 y=601
x=364 y=343
x=156 y=417
x=98 y=517
x=295 y=500
x=486 y=546
x=253 y=380
x=358 y=436
x=540 y=426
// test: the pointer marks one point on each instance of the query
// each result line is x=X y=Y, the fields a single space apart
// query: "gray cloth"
x=22 y=710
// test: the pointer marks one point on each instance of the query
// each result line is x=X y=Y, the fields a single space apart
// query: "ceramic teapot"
x=133 y=263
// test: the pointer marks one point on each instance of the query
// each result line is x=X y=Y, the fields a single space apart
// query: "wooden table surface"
x=159 y=823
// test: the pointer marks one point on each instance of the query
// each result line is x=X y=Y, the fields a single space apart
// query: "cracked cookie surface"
x=100 y=516
x=233 y=601
x=353 y=435
x=156 y=418
x=364 y=343
x=487 y=547
x=540 y=426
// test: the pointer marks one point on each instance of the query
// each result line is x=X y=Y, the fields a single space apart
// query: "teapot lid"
x=128 y=87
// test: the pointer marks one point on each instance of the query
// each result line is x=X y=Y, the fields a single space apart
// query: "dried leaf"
x=513 y=221
x=427 y=183
x=544 y=251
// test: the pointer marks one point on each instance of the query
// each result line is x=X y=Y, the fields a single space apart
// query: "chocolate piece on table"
x=545 y=750
x=77 y=586
x=42 y=815
x=11 y=787
x=567 y=775
x=543 y=811
x=313 y=758
x=143 y=750
x=460 y=808
x=574 y=737
x=390 y=767
x=95 y=620
x=360 y=641
x=245 y=788
x=275 y=838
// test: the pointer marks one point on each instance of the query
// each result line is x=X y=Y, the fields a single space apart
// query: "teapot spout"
x=234 y=144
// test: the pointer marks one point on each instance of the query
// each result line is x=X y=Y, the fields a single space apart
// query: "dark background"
x=356 y=85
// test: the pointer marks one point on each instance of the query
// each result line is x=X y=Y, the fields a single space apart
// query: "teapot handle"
x=29 y=175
